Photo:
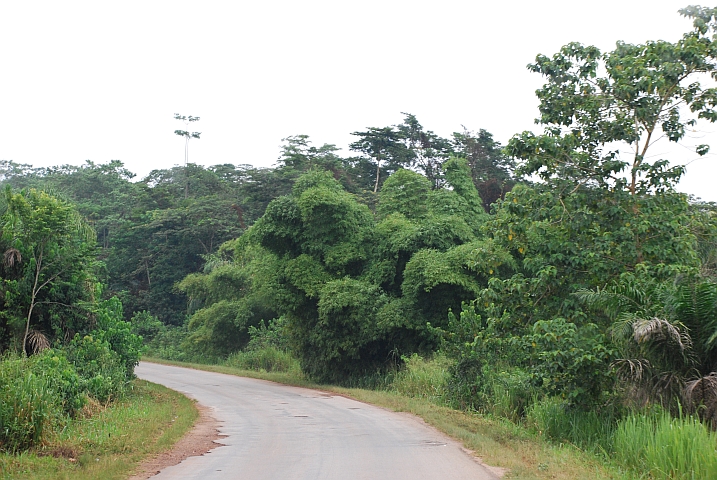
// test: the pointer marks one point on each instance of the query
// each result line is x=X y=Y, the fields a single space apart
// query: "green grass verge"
x=111 y=443
x=498 y=443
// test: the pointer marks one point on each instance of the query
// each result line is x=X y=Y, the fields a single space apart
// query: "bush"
x=36 y=395
x=64 y=379
x=101 y=371
x=170 y=344
x=146 y=325
x=507 y=392
x=111 y=328
x=274 y=335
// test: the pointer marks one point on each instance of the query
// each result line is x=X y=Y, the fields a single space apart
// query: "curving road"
x=280 y=432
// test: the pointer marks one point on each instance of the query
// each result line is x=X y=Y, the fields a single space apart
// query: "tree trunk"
x=33 y=297
x=378 y=173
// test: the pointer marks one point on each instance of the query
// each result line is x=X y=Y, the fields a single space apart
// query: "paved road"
x=278 y=432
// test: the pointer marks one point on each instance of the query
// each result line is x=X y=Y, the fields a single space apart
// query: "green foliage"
x=117 y=333
x=664 y=333
x=631 y=95
x=553 y=357
x=591 y=430
x=666 y=447
x=272 y=335
x=170 y=343
x=458 y=176
x=102 y=373
x=345 y=332
x=220 y=328
x=422 y=377
x=229 y=299
x=48 y=250
x=64 y=379
x=267 y=350
x=28 y=405
x=491 y=169
x=267 y=359
x=319 y=259
x=405 y=192
x=36 y=396
x=569 y=361
x=146 y=325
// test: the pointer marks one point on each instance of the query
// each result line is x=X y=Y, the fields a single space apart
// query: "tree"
x=51 y=241
x=382 y=145
x=187 y=135
x=491 y=169
x=428 y=151
x=593 y=102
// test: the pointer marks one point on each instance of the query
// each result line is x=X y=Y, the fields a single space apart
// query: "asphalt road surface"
x=279 y=432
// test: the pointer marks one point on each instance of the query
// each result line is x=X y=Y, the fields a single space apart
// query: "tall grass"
x=268 y=359
x=37 y=395
x=590 y=430
x=666 y=447
x=423 y=378
x=29 y=406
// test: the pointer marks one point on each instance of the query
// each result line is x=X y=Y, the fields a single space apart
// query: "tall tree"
x=491 y=169
x=427 y=150
x=595 y=102
x=52 y=244
x=382 y=145
x=187 y=136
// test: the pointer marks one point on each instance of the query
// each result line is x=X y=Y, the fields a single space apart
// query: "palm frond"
x=701 y=397
x=621 y=328
x=633 y=370
x=37 y=341
x=11 y=257
x=659 y=330
x=614 y=299
x=667 y=386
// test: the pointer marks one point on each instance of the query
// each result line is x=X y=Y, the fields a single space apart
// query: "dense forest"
x=556 y=268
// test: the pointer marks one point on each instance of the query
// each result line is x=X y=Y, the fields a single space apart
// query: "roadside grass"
x=497 y=442
x=111 y=442
x=667 y=447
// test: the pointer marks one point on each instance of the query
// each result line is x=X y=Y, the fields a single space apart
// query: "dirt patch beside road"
x=201 y=439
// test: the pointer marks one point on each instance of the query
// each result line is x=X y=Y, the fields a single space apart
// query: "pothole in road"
x=431 y=443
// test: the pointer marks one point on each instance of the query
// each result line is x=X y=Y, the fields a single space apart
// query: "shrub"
x=111 y=328
x=146 y=325
x=63 y=377
x=36 y=393
x=102 y=373
x=171 y=344
x=273 y=335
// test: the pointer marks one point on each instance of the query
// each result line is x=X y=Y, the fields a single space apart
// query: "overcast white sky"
x=101 y=80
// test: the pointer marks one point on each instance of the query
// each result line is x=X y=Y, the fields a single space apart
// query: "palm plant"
x=667 y=335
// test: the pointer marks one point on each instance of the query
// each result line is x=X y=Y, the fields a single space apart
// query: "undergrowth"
x=107 y=442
